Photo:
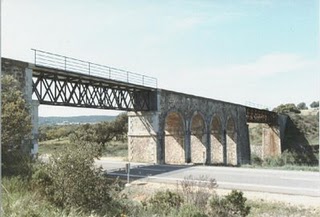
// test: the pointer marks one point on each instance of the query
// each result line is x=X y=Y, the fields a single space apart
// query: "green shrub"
x=189 y=210
x=288 y=157
x=16 y=163
x=70 y=179
x=15 y=129
x=163 y=202
x=314 y=104
x=274 y=161
x=232 y=205
x=256 y=160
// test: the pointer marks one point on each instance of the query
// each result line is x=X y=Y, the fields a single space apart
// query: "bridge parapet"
x=56 y=61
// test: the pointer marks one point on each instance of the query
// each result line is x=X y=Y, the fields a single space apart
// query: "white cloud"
x=268 y=65
x=269 y=80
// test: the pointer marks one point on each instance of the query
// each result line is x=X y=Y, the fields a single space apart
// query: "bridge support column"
x=246 y=153
x=187 y=146
x=35 y=126
x=271 y=142
x=160 y=148
x=34 y=112
x=144 y=137
x=224 y=143
x=208 y=147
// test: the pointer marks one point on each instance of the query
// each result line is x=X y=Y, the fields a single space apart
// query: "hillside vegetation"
x=308 y=124
x=110 y=135
x=300 y=146
x=75 y=120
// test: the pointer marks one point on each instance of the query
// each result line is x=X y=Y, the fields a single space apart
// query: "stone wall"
x=174 y=149
x=142 y=136
x=192 y=142
x=271 y=143
x=216 y=149
x=22 y=72
x=19 y=70
x=232 y=157
x=256 y=150
x=198 y=148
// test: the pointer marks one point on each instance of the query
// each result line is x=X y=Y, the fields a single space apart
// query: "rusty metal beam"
x=255 y=115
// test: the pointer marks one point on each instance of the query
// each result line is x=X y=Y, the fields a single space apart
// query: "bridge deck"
x=255 y=115
x=66 y=88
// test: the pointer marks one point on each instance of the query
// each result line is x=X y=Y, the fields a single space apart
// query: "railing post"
x=142 y=80
x=89 y=68
x=128 y=77
x=109 y=73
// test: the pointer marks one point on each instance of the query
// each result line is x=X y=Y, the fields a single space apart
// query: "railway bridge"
x=163 y=126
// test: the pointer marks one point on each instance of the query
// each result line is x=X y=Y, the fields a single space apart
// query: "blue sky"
x=264 y=52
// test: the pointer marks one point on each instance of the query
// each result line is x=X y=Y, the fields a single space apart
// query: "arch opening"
x=216 y=138
x=198 y=139
x=231 y=143
x=174 y=139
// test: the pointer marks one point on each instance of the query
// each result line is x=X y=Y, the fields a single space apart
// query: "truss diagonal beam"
x=261 y=116
x=67 y=89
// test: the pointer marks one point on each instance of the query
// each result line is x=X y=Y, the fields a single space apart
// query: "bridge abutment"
x=143 y=137
x=22 y=72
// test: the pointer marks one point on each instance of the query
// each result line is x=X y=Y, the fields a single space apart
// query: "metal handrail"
x=47 y=59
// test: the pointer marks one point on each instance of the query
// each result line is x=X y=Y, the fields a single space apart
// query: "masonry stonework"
x=142 y=136
x=184 y=131
x=271 y=143
x=23 y=74
x=216 y=150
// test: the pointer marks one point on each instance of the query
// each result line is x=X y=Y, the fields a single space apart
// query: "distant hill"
x=74 y=119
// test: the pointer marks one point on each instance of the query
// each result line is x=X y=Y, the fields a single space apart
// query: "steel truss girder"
x=261 y=116
x=73 y=90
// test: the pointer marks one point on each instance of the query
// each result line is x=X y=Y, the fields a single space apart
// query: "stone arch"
x=231 y=142
x=174 y=139
x=198 y=139
x=216 y=138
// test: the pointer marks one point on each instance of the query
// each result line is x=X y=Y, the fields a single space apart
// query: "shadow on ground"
x=144 y=171
x=295 y=140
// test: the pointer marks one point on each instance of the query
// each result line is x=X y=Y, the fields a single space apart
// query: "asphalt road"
x=263 y=180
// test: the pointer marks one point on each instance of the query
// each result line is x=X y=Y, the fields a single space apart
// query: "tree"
x=103 y=132
x=16 y=125
x=287 y=108
x=302 y=106
x=314 y=104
